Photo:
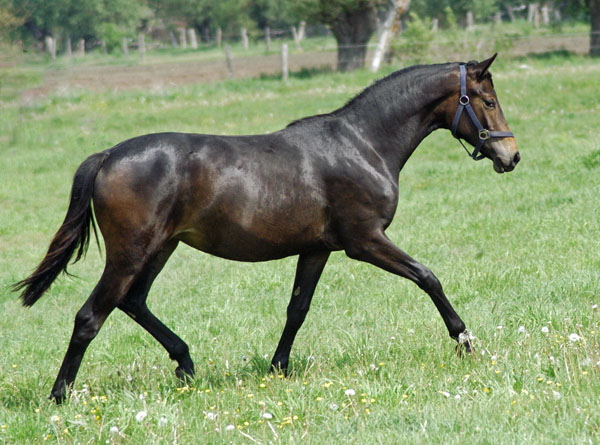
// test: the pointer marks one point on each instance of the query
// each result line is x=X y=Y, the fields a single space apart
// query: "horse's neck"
x=395 y=116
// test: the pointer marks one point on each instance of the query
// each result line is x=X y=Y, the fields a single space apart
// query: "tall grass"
x=518 y=254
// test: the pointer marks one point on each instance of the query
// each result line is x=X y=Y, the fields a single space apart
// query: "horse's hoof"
x=184 y=374
x=59 y=398
x=279 y=368
x=465 y=340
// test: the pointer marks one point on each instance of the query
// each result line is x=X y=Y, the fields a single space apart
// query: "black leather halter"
x=483 y=133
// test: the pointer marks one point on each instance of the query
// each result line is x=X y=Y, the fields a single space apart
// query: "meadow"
x=518 y=255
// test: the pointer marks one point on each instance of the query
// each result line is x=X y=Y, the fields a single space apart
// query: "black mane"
x=406 y=74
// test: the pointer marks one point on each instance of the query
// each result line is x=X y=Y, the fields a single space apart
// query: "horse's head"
x=477 y=117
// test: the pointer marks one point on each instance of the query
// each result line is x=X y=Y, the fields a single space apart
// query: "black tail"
x=73 y=234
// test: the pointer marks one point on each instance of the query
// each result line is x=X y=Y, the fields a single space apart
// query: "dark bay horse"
x=324 y=183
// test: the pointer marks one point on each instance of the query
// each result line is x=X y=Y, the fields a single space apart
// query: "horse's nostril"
x=517 y=158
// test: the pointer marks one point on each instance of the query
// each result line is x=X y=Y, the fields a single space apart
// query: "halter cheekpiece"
x=483 y=133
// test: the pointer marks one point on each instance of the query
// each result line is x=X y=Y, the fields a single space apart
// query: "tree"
x=352 y=23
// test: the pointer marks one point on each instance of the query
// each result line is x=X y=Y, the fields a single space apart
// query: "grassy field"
x=518 y=254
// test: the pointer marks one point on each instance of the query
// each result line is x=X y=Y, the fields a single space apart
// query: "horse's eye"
x=489 y=103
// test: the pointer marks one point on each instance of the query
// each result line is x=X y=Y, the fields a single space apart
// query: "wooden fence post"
x=182 y=40
x=51 y=47
x=142 y=45
x=268 y=38
x=192 y=38
x=245 y=38
x=284 y=63
x=469 y=20
x=69 y=48
x=435 y=24
x=229 y=61
x=125 y=46
x=219 y=37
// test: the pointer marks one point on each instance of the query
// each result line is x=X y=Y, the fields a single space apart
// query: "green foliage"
x=414 y=41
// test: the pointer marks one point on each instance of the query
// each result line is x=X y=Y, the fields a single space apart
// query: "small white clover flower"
x=162 y=421
x=350 y=392
x=594 y=307
x=556 y=395
x=545 y=329
x=499 y=327
x=229 y=427
x=267 y=416
x=457 y=397
x=445 y=393
x=211 y=416
x=114 y=429
x=334 y=407
x=522 y=330
x=574 y=338
x=140 y=416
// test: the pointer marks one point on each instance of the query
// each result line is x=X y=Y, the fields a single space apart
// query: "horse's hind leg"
x=134 y=305
x=111 y=288
x=309 y=269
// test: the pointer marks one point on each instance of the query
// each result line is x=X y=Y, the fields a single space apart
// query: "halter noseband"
x=483 y=133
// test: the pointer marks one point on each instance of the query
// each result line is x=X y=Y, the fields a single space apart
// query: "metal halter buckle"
x=484 y=134
x=464 y=100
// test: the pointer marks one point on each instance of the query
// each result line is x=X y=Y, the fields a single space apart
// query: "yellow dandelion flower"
x=486 y=389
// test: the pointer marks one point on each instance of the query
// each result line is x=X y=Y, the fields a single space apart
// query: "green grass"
x=520 y=249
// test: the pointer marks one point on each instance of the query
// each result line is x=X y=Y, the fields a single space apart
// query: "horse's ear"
x=481 y=68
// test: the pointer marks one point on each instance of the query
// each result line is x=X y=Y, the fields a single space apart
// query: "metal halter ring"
x=464 y=100
x=484 y=134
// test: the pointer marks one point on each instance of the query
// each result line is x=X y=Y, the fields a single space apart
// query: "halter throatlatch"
x=483 y=133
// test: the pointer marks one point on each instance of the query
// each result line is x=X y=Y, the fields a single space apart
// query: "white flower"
x=267 y=416
x=350 y=392
x=54 y=418
x=574 y=338
x=594 y=307
x=445 y=393
x=162 y=421
x=333 y=406
x=499 y=327
x=457 y=396
x=522 y=329
x=141 y=416
x=114 y=430
x=229 y=427
x=545 y=329
x=586 y=362
x=211 y=416
x=556 y=395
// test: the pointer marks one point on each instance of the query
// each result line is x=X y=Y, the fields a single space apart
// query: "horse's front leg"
x=377 y=249
x=308 y=272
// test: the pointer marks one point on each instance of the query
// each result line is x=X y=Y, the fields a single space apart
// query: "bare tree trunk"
x=301 y=31
x=595 y=29
x=173 y=39
x=219 y=37
x=385 y=38
x=81 y=48
x=352 y=31
x=511 y=13
x=125 y=46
